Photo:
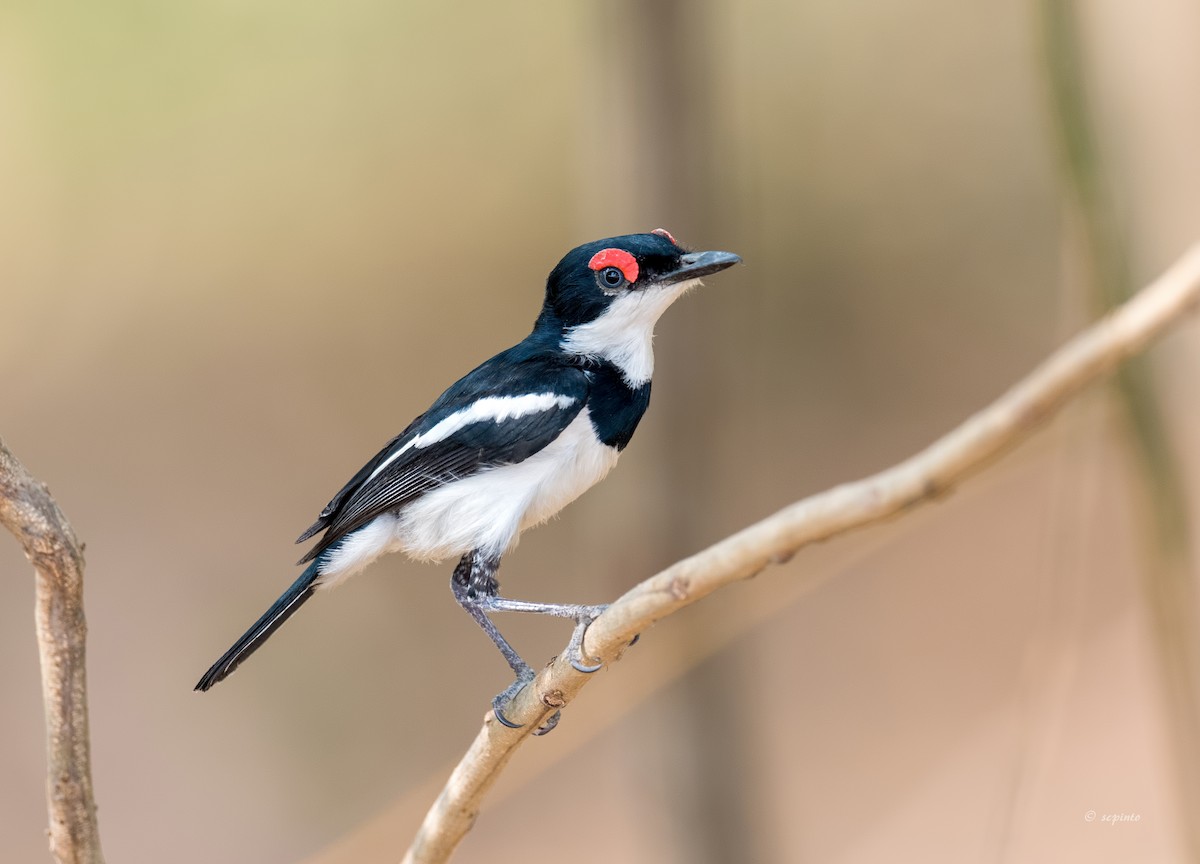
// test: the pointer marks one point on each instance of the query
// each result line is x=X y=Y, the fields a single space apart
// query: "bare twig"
x=30 y=513
x=927 y=475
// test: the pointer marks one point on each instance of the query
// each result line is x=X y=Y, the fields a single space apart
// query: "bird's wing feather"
x=403 y=471
x=359 y=478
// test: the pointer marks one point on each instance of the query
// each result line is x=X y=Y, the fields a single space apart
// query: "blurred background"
x=243 y=244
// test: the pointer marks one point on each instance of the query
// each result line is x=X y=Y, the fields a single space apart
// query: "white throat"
x=624 y=334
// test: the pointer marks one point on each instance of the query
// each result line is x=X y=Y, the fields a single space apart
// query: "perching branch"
x=927 y=475
x=30 y=513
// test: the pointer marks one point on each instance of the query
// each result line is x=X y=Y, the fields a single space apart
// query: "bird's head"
x=604 y=297
x=593 y=277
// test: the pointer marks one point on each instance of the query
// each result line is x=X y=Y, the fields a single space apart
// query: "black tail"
x=293 y=598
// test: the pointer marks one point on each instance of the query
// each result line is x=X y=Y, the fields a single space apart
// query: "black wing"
x=358 y=479
x=472 y=448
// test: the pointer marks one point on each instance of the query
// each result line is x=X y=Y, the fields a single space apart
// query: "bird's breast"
x=580 y=460
x=487 y=511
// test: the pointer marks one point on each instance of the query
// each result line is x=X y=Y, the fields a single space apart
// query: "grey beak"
x=693 y=265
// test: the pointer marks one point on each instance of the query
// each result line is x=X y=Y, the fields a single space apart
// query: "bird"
x=507 y=446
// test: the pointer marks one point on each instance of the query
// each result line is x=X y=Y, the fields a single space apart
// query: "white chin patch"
x=624 y=334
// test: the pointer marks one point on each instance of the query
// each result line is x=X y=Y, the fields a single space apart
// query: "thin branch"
x=30 y=513
x=929 y=474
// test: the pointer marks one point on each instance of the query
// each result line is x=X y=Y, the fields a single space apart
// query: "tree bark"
x=29 y=511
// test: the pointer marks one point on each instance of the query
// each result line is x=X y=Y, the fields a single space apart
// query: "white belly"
x=487 y=511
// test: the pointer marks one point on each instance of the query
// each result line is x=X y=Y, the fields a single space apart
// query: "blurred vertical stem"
x=664 y=88
x=1169 y=583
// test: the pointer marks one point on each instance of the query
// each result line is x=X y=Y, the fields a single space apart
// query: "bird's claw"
x=549 y=725
x=575 y=646
x=584 y=615
x=499 y=714
x=505 y=696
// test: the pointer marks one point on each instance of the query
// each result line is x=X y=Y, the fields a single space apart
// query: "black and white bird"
x=508 y=445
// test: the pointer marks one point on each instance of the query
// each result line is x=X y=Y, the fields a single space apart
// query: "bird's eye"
x=612 y=276
x=614 y=267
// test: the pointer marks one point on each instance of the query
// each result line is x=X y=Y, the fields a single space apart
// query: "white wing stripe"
x=495 y=408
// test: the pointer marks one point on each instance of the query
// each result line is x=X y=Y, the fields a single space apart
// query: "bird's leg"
x=474 y=585
x=583 y=616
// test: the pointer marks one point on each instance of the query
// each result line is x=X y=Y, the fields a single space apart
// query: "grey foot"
x=505 y=696
x=549 y=725
x=575 y=646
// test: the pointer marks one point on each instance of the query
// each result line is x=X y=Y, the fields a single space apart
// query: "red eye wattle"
x=618 y=258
